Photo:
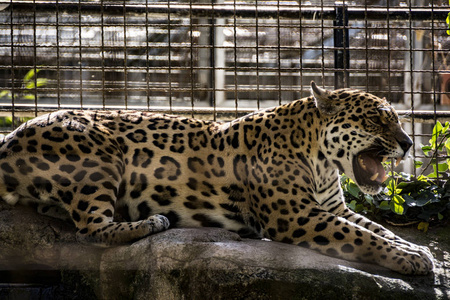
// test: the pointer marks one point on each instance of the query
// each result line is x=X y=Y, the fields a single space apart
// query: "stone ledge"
x=40 y=255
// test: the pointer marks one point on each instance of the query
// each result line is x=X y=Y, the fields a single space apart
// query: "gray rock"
x=204 y=263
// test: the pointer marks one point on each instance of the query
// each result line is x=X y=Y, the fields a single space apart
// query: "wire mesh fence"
x=219 y=59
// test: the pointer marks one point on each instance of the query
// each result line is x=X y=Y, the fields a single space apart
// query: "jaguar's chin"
x=368 y=169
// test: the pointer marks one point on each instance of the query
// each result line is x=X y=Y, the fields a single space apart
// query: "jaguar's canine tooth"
x=361 y=163
x=384 y=178
x=397 y=162
x=384 y=159
x=374 y=176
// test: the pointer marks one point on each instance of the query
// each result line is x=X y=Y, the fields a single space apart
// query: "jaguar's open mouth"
x=368 y=168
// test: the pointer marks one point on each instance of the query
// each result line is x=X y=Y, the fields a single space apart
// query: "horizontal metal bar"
x=231 y=11
x=393 y=25
x=194 y=46
x=239 y=69
x=427 y=117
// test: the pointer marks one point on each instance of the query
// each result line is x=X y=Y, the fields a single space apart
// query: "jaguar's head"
x=360 y=132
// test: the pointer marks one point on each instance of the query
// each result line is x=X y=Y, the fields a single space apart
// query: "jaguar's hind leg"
x=91 y=206
x=54 y=211
x=108 y=233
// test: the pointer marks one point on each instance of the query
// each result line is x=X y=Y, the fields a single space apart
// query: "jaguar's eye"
x=376 y=120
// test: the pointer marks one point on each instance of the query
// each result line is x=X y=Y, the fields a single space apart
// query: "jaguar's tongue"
x=372 y=167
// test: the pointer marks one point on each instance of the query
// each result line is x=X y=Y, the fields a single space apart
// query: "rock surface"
x=40 y=259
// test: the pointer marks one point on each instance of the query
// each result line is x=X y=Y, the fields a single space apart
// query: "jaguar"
x=120 y=176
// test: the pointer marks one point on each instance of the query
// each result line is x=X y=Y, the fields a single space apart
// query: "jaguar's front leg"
x=381 y=231
x=336 y=236
x=343 y=211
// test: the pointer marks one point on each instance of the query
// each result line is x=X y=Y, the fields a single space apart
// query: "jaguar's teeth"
x=384 y=159
x=374 y=176
x=361 y=163
x=398 y=162
x=384 y=178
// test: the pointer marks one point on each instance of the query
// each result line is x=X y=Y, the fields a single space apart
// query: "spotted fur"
x=272 y=174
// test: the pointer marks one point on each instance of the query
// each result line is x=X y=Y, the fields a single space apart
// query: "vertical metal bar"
x=433 y=66
x=35 y=57
x=341 y=45
x=346 y=47
x=411 y=68
x=169 y=36
x=366 y=44
x=220 y=59
x=258 y=92
x=13 y=93
x=279 y=51
x=388 y=28
x=236 y=95
x=102 y=49
x=392 y=165
x=191 y=57
x=80 y=52
x=323 y=42
x=125 y=57
x=300 y=48
x=212 y=71
x=58 y=71
x=147 y=53
x=433 y=84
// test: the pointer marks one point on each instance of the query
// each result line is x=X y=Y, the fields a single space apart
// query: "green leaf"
x=353 y=189
x=447 y=146
x=30 y=75
x=422 y=199
x=384 y=205
x=410 y=201
x=422 y=178
x=369 y=199
x=437 y=129
x=442 y=167
x=389 y=186
x=5 y=93
x=423 y=226
x=393 y=187
x=352 y=205
x=29 y=97
x=426 y=149
x=398 y=200
x=40 y=82
x=446 y=126
x=418 y=163
x=398 y=209
x=432 y=175
x=440 y=216
x=448 y=23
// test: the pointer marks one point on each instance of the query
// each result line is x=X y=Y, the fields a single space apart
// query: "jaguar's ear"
x=324 y=102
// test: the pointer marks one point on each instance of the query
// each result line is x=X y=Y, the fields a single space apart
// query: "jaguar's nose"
x=405 y=143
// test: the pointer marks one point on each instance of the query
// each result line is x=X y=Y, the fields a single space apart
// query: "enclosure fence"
x=220 y=59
